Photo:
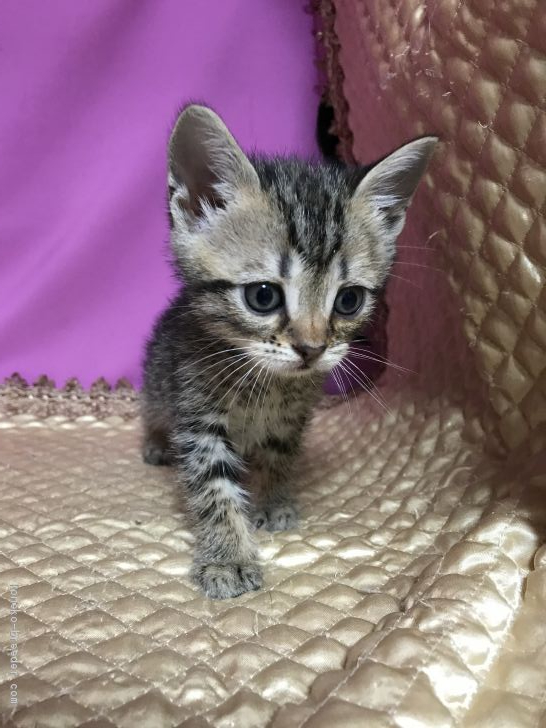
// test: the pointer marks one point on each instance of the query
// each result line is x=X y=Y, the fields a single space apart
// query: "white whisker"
x=355 y=374
x=239 y=381
x=256 y=380
x=228 y=375
x=428 y=248
x=231 y=360
x=406 y=280
x=418 y=265
x=339 y=383
x=217 y=353
x=360 y=354
x=266 y=387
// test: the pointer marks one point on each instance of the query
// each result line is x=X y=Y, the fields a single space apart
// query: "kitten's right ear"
x=389 y=186
x=206 y=165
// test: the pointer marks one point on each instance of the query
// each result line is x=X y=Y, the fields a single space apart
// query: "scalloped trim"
x=43 y=399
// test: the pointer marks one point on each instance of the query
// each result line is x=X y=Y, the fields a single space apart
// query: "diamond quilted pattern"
x=474 y=72
x=406 y=575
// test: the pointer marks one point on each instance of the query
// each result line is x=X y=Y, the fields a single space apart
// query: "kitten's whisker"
x=225 y=356
x=260 y=392
x=203 y=348
x=217 y=353
x=193 y=359
x=371 y=386
x=268 y=376
x=339 y=383
x=355 y=374
x=374 y=393
x=360 y=340
x=241 y=379
x=229 y=349
x=428 y=248
x=240 y=385
x=240 y=338
x=181 y=315
x=406 y=280
x=243 y=361
x=266 y=387
x=418 y=265
x=231 y=360
x=269 y=373
x=350 y=374
x=384 y=359
x=228 y=375
x=199 y=375
x=363 y=355
x=352 y=390
x=256 y=379
x=350 y=385
x=355 y=349
x=360 y=355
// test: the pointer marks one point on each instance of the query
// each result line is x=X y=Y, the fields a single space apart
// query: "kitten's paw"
x=280 y=517
x=223 y=581
x=153 y=454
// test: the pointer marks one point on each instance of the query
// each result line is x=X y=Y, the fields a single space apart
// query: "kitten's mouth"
x=298 y=369
x=308 y=368
x=302 y=368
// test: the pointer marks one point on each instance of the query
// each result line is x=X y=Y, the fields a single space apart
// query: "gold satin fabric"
x=403 y=599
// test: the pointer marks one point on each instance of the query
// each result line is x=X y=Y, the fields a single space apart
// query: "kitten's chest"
x=266 y=414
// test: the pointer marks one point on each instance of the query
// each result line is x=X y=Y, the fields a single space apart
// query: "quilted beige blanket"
x=414 y=593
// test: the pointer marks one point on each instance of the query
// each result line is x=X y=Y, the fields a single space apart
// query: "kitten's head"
x=283 y=258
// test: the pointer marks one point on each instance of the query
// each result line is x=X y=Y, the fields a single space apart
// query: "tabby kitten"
x=282 y=261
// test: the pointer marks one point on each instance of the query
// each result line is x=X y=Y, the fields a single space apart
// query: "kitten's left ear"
x=389 y=186
x=206 y=165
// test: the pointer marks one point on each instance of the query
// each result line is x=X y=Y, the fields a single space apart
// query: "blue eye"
x=263 y=297
x=349 y=300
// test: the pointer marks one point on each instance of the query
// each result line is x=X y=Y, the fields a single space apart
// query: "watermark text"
x=13 y=650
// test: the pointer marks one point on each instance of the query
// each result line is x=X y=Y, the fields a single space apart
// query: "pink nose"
x=308 y=353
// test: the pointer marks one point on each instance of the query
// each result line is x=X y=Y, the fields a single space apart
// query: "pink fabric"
x=88 y=93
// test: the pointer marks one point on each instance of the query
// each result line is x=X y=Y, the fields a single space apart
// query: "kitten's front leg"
x=225 y=559
x=275 y=460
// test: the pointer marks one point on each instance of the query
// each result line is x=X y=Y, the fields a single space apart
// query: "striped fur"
x=226 y=394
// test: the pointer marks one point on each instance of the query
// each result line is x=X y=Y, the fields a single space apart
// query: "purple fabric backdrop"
x=88 y=92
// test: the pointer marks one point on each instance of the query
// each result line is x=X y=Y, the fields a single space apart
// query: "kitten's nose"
x=308 y=353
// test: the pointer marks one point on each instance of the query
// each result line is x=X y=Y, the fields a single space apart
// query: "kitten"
x=282 y=262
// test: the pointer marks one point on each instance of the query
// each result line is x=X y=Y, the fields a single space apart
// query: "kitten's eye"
x=349 y=300
x=263 y=297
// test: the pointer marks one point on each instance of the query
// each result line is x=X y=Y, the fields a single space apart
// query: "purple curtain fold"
x=88 y=91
